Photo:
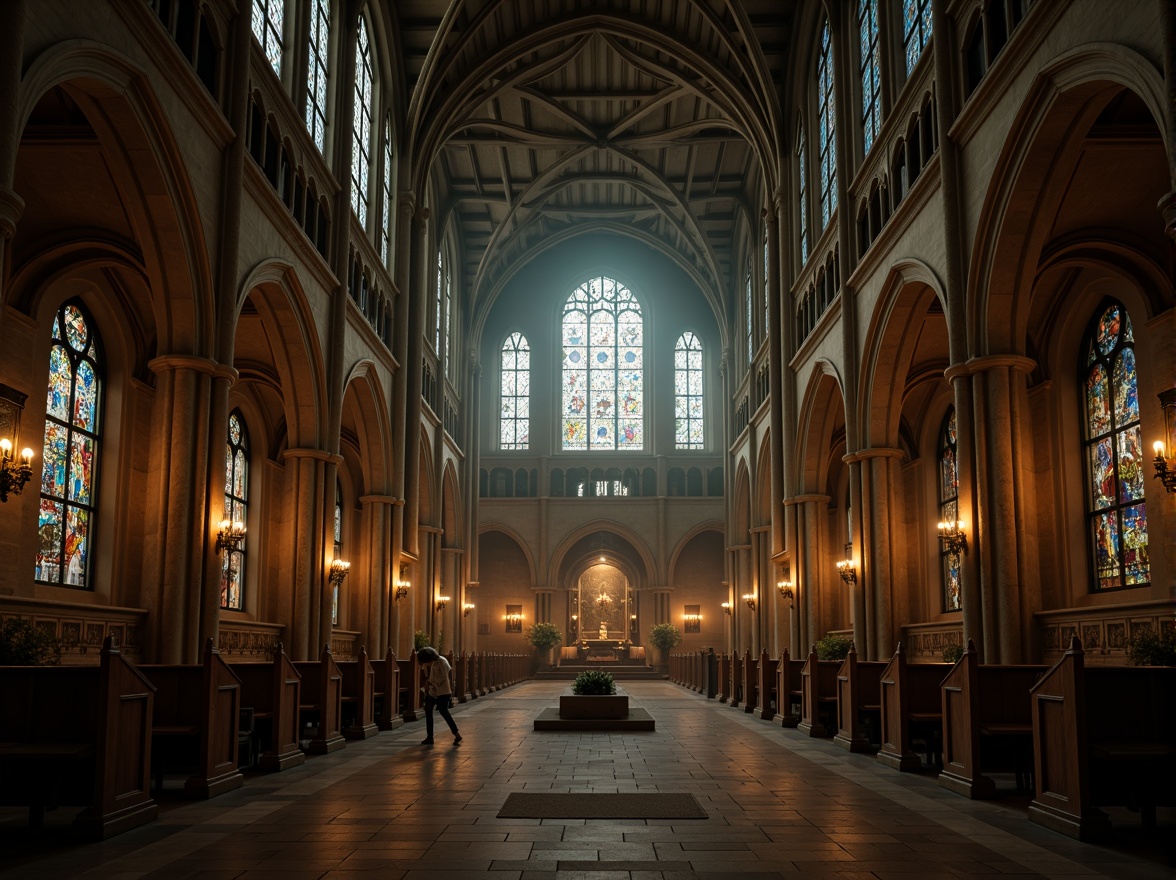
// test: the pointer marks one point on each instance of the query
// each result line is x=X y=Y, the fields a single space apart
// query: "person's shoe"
x=456 y=738
x=427 y=742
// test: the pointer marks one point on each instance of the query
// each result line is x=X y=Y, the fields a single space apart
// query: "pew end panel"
x=910 y=710
x=273 y=691
x=322 y=703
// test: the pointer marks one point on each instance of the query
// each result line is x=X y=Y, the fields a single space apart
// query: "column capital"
x=806 y=499
x=993 y=361
x=389 y=500
x=875 y=452
x=166 y=362
x=315 y=454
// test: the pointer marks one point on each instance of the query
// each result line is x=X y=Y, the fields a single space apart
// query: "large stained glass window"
x=386 y=220
x=361 y=127
x=267 y=27
x=73 y=411
x=316 y=79
x=949 y=509
x=802 y=190
x=1116 y=513
x=826 y=127
x=603 y=379
x=767 y=286
x=688 y=405
x=749 y=315
x=338 y=548
x=916 y=30
x=232 y=591
x=514 y=424
x=871 y=72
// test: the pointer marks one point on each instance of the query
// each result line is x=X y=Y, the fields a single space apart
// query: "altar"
x=604 y=650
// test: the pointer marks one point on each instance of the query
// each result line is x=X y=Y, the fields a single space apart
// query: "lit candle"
x=1158 y=446
x=5 y=448
x=27 y=455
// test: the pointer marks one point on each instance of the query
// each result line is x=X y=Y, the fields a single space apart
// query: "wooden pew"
x=767 y=686
x=1102 y=736
x=359 y=696
x=735 y=689
x=196 y=721
x=79 y=736
x=322 y=701
x=788 y=690
x=858 y=701
x=273 y=691
x=910 y=708
x=818 y=695
x=410 y=687
x=986 y=723
x=750 y=682
x=387 y=692
x=724 y=677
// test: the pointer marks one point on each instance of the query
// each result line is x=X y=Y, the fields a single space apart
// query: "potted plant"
x=664 y=637
x=594 y=682
x=1150 y=648
x=23 y=644
x=831 y=647
x=594 y=695
x=544 y=636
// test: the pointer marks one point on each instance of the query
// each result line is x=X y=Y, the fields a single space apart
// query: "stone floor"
x=780 y=805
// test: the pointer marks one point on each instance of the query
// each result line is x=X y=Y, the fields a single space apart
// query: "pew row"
x=274 y=692
x=79 y=736
x=387 y=692
x=767 y=686
x=322 y=702
x=358 y=697
x=911 y=710
x=818 y=696
x=788 y=690
x=858 y=702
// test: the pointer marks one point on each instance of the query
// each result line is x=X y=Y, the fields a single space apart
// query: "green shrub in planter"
x=420 y=639
x=953 y=653
x=594 y=682
x=664 y=636
x=1150 y=648
x=544 y=635
x=832 y=647
x=22 y=644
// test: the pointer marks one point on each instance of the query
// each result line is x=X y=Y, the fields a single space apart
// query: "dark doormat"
x=603 y=805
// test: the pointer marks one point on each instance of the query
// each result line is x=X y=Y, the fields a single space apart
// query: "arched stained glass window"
x=916 y=30
x=232 y=591
x=767 y=285
x=1115 y=459
x=949 y=509
x=267 y=27
x=386 y=224
x=826 y=126
x=749 y=316
x=514 y=424
x=603 y=378
x=802 y=190
x=316 y=78
x=361 y=127
x=73 y=410
x=871 y=72
x=338 y=548
x=688 y=393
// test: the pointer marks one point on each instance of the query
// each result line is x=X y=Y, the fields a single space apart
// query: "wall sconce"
x=726 y=607
x=13 y=476
x=229 y=535
x=749 y=598
x=442 y=601
x=401 y=591
x=1165 y=460
x=693 y=618
x=785 y=588
x=845 y=567
x=467 y=609
x=955 y=540
x=338 y=572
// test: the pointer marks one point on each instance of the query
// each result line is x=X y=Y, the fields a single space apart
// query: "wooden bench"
x=986 y=724
x=858 y=702
x=724 y=677
x=387 y=692
x=322 y=702
x=750 y=682
x=767 y=686
x=1102 y=736
x=818 y=696
x=735 y=689
x=788 y=691
x=274 y=692
x=359 y=697
x=79 y=736
x=910 y=710
x=410 y=687
x=195 y=724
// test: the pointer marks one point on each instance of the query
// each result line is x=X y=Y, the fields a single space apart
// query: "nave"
x=779 y=804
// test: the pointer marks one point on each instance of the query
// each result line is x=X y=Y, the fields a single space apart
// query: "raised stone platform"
x=594 y=712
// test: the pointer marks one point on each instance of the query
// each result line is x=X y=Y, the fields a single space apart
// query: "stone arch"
x=626 y=548
x=822 y=415
x=365 y=421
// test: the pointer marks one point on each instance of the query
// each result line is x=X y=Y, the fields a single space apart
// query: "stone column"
x=812 y=509
x=311 y=538
x=418 y=309
x=377 y=522
x=1167 y=204
x=880 y=479
x=400 y=396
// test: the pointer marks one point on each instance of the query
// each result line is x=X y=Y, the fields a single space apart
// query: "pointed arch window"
x=386 y=220
x=826 y=126
x=267 y=27
x=871 y=73
x=316 y=79
x=688 y=393
x=232 y=590
x=750 y=317
x=603 y=377
x=802 y=191
x=767 y=286
x=338 y=548
x=949 y=509
x=361 y=125
x=73 y=410
x=916 y=30
x=514 y=424
x=1116 y=513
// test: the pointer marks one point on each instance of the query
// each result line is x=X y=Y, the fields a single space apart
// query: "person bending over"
x=438 y=692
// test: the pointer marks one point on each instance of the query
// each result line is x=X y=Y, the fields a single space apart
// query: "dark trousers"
x=442 y=704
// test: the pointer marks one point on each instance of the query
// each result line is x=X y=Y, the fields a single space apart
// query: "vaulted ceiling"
x=538 y=120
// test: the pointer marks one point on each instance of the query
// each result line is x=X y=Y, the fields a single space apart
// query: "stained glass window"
x=826 y=127
x=749 y=315
x=439 y=303
x=232 y=590
x=949 y=509
x=361 y=127
x=514 y=423
x=338 y=549
x=688 y=405
x=767 y=286
x=70 y=456
x=316 y=78
x=267 y=27
x=871 y=72
x=1115 y=461
x=916 y=30
x=448 y=324
x=603 y=378
x=802 y=189
x=386 y=224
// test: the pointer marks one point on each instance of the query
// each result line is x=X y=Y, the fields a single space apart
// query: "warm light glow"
x=230 y=534
x=749 y=598
x=785 y=588
x=442 y=601
x=602 y=559
x=467 y=609
x=338 y=571
x=1158 y=446
x=727 y=607
x=5 y=447
x=847 y=572
x=27 y=455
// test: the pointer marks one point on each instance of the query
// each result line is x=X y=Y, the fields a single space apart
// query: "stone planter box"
x=594 y=706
